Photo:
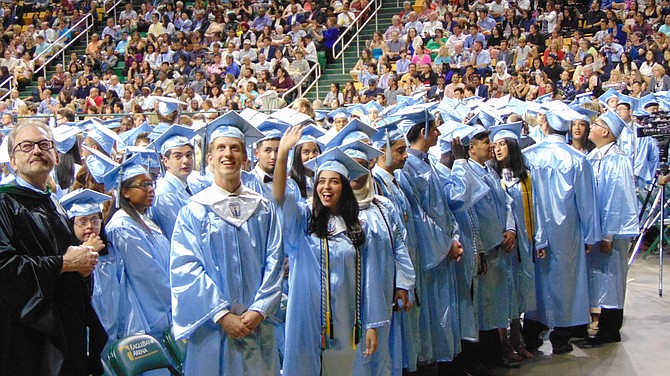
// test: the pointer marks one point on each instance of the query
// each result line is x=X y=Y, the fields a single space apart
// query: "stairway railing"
x=88 y=20
x=316 y=69
x=342 y=40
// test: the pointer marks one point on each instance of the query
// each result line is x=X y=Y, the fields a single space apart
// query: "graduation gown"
x=42 y=312
x=170 y=197
x=303 y=352
x=226 y=254
x=496 y=286
x=403 y=338
x=643 y=154
x=132 y=292
x=522 y=264
x=464 y=188
x=565 y=203
x=384 y=233
x=439 y=336
x=617 y=203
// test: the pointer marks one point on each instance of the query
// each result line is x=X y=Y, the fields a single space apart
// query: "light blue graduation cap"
x=406 y=100
x=373 y=105
x=83 y=202
x=462 y=131
x=255 y=118
x=417 y=114
x=148 y=157
x=353 y=131
x=360 y=150
x=167 y=105
x=587 y=114
x=291 y=117
x=112 y=123
x=582 y=98
x=512 y=130
x=272 y=129
x=338 y=113
x=336 y=160
x=65 y=137
x=176 y=136
x=85 y=125
x=544 y=98
x=614 y=122
x=607 y=95
x=560 y=120
x=311 y=133
x=489 y=117
x=451 y=109
x=517 y=106
x=387 y=133
x=105 y=137
x=321 y=114
x=647 y=101
x=111 y=174
x=231 y=124
x=130 y=136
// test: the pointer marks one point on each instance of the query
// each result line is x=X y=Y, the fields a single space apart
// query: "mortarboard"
x=587 y=114
x=417 y=114
x=104 y=137
x=176 y=136
x=130 y=136
x=272 y=129
x=614 y=122
x=360 y=150
x=83 y=202
x=354 y=130
x=167 y=105
x=291 y=117
x=512 y=130
x=335 y=160
x=65 y=137
x=232 y=125
x=311 y=133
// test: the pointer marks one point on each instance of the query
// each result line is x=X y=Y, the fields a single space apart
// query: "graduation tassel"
x=358 y=330
x=326 y=314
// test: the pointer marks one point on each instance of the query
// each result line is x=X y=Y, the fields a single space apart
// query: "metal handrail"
x=62 y=37
x=112 y=8
x=359 y=28
x=298 y=86
x=11 y=87
x=62 y=50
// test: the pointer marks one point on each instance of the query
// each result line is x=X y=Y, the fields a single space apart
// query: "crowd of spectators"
x=216 y=55
x=522 y=48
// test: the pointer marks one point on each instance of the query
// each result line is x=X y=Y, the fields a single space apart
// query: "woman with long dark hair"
x=336 y=303
x=579 y=136
x=510 y=165
x=70 y=159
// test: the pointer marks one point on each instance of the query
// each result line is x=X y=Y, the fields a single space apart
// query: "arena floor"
x=645 y=338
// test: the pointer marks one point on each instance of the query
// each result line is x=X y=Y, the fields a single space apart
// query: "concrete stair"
x=333 y=73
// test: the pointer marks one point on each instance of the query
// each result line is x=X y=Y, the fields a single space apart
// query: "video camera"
x=656 y=125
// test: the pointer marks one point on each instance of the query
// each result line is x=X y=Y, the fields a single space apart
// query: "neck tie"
x=395 y=182
x=188 y=190
x=267 y=179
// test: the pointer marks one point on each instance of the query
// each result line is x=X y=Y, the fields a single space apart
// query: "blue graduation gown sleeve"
x=144 y=270
x=170 y=197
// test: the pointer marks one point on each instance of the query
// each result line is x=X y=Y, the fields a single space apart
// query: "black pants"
x=609 y=324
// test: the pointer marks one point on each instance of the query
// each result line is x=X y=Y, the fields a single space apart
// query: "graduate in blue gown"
x=83 y=208
x=172 y=190
x=226 y=265
x=403 y=338
x=384 y=232
x=439 y=249
x=307 y=148
x=510 y=165
x=642 y=151
x=135 y=273
x=336 y=304
x=565 y=203
x=617 y=205
x=495 y=243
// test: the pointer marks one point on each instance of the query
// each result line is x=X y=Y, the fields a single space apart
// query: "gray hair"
x=11 y=139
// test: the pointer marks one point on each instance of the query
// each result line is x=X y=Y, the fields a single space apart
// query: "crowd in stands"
x=212 y=55
x=233 y=55
x=526 y=49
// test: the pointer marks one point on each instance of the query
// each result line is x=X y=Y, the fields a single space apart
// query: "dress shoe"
x=562 y=349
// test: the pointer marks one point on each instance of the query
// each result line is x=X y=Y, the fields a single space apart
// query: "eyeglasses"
x=83 y=223
x=144 y=185
x=28 y=146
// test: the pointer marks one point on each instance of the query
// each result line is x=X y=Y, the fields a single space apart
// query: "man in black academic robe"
x=43 y=295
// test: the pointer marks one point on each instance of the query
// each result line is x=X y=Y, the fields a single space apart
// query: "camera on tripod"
x=656 y=125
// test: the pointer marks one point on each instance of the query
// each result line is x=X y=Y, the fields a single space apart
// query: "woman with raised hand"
x=336 y=303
